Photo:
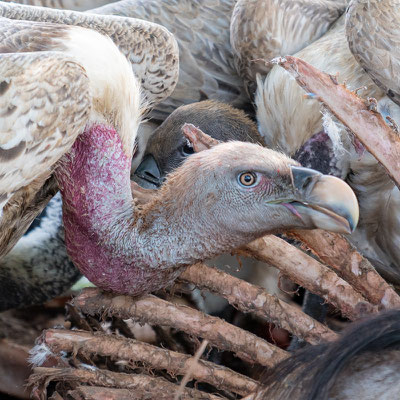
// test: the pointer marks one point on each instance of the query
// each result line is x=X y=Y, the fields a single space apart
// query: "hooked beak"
x=327 y=201
x=148 y=174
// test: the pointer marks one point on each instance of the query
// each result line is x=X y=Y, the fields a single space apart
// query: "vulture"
x=261 y=30
x=168 y=148
x=77 y=5
x=289 y=121
x=42 y=251
x=81 y=123
x=148 y=246
x=363 y=364
x=201 y=28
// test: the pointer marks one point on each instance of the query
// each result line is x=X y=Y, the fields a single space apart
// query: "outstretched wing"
x=44 y=105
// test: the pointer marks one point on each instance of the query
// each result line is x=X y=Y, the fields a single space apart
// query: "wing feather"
x=78 y=5
x=151 y=49
x=201 y=28
x=373 y=34
x=263 y=29
x=44 y=104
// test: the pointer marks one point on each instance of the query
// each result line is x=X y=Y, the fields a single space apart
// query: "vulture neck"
x=116 y=246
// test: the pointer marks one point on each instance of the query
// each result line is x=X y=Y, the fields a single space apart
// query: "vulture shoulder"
x=266 y=29
x=373 y=34
x=77 y=5
x=201 y=28
x=44 y=105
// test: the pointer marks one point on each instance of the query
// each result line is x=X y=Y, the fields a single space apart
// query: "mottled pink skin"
x=98 y=215
x=264 y=187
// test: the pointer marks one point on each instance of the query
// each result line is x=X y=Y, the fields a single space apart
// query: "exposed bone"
x=100 y=393
x=336 y=251
x=369 y=126
x=131 y=350
x=249 y=298
x=154 y=311
x=311 y=274
x=143 y=385
x=193 y=363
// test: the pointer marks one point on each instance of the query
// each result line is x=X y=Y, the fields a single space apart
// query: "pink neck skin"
x=98 y=215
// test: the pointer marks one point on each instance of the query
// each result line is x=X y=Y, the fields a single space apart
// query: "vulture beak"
x=148 y=174
x=325 y=200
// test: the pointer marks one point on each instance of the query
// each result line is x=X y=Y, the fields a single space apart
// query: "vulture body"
x=38 y=268
x=201 y=28
x=363 y=364
x=262 y=30
x=77 y=5
x=287 y=121
x=31 y=193
x=117 y=245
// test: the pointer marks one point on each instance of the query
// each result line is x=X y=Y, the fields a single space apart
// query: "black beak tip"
x=148 y=170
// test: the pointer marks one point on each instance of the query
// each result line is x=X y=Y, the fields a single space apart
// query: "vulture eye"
x=187 y=149
x=247 y=178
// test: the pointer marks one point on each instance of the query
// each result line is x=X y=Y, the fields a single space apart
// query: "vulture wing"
x=373 y=34
x=201 y=29
x=44 y=105
x=150 y=48
x=267 y=29
x=78 y=5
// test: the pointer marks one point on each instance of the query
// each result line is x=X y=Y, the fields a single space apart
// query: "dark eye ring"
x=187 y=149
x=247 y=178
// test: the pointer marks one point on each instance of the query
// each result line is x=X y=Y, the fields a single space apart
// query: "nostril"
x=303 y=178
x=306 y=182
x=149 y=175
